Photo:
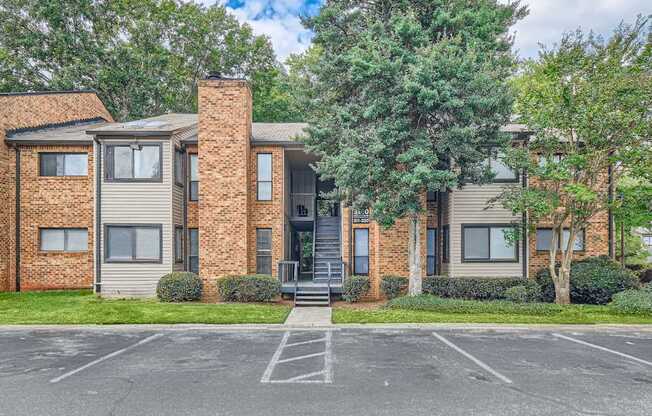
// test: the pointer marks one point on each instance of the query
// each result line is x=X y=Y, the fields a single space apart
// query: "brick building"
x=115 y=206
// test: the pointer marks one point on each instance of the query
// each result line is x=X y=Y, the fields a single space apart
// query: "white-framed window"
x=264 y=251
x=488 y=243
x=63 y=239
x=193 y=195
x=361 y=251
x=63 y=164
x=264 y=177
x=128 y=243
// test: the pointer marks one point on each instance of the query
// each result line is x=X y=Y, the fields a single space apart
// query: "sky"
x=548 y=19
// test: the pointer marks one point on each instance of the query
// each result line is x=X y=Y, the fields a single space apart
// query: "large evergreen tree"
x=409 y=96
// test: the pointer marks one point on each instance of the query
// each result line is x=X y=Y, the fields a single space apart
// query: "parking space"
x=338 y=371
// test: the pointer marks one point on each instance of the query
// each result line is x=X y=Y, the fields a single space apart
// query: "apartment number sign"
x=361 y=216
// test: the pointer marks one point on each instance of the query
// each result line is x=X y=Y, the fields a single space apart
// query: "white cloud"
x=548 y=19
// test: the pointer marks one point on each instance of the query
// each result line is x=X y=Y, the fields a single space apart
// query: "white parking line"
x=598 y=347
x=106 y=357
x=327 y=371
x=472 y=358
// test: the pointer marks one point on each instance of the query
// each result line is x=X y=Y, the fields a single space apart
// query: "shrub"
x=248 y=288
x=393 y=286
x=179 y=287
x=473 y=288
x=460 y=306
x=633 y=301
x=593 y=280
x=517 y=294
x=355 y=288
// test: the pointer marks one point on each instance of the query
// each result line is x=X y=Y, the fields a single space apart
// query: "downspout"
x=438 y=243
x=98 y=216
x=17 y=149
x=186 y=183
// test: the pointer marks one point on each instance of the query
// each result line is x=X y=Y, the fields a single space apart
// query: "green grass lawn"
x=83 y=307
x=428 y=309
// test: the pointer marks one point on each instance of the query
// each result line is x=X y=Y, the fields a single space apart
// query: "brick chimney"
x=225 y=115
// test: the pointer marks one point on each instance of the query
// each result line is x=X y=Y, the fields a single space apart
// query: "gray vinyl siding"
x=470 y=206
x=138 y=203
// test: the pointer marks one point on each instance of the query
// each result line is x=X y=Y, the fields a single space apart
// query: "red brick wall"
x=29 y=111
x=224 y=145
x=267 y=214
x=52 y=202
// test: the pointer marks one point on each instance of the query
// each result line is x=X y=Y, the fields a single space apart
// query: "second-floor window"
x=63 y=164
x=193 y=195
x=178 y=167
x=502 y=172
x=264 y=177
x=133 y=162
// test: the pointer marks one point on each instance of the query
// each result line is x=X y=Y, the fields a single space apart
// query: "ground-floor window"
x=431 y=250
x=133 y=243
x=193 y=258
x=361 y=251
x=544 y=240
x=63 y=239
x=488 y=243
x=445 y=242
x=178 y=244
x=264 y=251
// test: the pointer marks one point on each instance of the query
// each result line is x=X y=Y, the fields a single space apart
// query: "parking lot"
x=341 y=371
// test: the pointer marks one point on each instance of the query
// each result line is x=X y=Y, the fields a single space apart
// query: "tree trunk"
x=562 y=287
x=414 y=255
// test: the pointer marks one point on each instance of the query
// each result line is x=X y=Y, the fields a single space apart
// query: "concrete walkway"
x=310 y=316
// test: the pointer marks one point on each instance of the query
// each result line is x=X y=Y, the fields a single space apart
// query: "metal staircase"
x=327 y=264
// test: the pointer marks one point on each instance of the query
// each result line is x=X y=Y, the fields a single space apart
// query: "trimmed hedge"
x=355 y=287
x=394 y=286
x=431 y=303
x=523 y=294
x=474 y=288
x=248 y=288
x=593 y=280
x=179 y=287
x=633 y=301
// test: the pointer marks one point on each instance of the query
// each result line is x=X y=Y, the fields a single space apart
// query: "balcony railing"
x=288 y=272
x=302 y=206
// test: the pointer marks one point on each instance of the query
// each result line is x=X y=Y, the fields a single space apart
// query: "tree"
x=588 y=102
x=633 y=209
x=142 y=57
x=407 y=96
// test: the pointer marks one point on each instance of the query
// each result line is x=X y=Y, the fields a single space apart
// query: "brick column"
x=225 y=111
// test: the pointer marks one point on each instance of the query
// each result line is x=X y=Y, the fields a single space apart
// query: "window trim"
x=489 y=226
x=270 y=250
x=178 y=260
x=190 y=256
x=435 y=229
x=190 y=181
x=559 y=240
x=40 y=164
x=355 y=257
x=109 y=160
x=178 y=170
x=271 y=181
x=516 y=178
x=133 y=248
x=65 y=239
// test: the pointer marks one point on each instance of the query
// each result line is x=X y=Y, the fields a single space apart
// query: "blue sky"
x=548 y=19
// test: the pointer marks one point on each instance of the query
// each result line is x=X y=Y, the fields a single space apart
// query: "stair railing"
x=314 y=236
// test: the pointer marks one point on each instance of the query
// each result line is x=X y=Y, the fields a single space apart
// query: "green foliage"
x=355 y=287
x=142 y=57
x=523 y=294
x=437 y=304
x=395 y=100
x=633 y=301
x=593 y=280
x=179 y=287
x=474 y=288
x=248 y=288
x=393 y=286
